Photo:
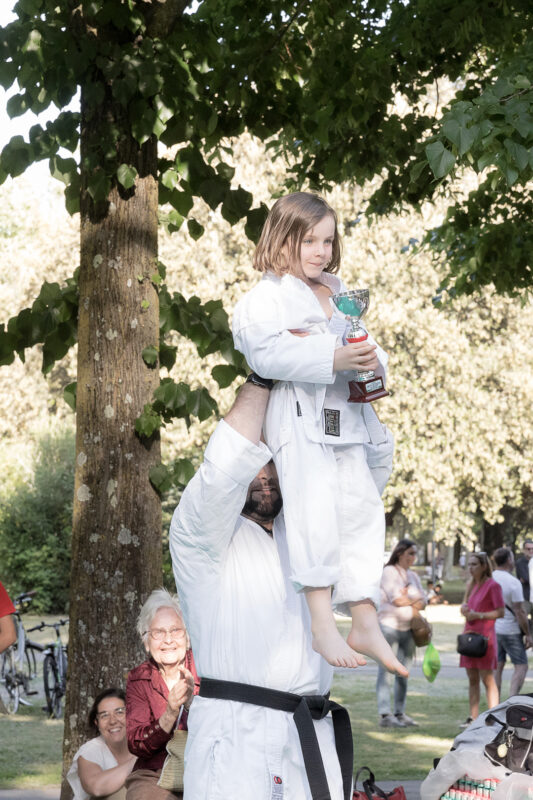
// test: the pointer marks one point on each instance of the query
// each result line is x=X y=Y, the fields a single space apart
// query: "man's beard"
x=264 y=510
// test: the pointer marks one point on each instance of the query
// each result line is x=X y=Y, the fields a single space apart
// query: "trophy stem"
x=366 y=386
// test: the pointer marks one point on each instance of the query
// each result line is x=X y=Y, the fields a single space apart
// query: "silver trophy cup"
x=366 y=386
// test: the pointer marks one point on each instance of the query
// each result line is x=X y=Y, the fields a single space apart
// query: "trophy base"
x=366 y=391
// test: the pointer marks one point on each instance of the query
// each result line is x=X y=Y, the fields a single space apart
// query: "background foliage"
x=460 y=377
x=36 y=520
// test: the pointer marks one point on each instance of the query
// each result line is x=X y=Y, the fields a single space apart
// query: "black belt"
x=305 y=709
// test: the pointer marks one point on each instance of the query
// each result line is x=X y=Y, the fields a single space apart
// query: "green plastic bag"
x=431 y=663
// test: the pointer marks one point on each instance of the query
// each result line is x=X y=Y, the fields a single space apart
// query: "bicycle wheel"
x=30 y=664
x=9 y=685
x=52 y=688
x=64 y=666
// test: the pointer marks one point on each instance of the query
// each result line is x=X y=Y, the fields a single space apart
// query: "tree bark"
x=116 y=539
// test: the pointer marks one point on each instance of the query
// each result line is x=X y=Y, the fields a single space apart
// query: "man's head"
x=503 y=558
x=528 y=548
x=263 y=501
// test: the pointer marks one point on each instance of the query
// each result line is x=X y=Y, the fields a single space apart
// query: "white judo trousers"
x=246 y=624
x=331 y=482
x=334 y=515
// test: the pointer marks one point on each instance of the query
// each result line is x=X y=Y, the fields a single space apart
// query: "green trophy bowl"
x=365 y=386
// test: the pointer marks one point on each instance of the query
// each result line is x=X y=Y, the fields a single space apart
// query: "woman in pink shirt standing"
x=482 y=606
x=402 y=596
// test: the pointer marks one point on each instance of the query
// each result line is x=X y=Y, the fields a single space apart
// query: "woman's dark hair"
x=113 y=691
x=399 y=550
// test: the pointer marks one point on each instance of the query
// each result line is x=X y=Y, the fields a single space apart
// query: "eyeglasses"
x=159 y=633
x=116 y=712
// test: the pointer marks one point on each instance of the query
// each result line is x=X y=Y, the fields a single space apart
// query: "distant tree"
x=318 y=80
x=36 y=524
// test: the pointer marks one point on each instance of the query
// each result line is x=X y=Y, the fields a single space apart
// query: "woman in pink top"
x=402 y=596
x=482 y=606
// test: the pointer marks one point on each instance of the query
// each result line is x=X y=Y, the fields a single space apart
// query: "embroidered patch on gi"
x=277 y=787
x=332 y=422
x=298 y=409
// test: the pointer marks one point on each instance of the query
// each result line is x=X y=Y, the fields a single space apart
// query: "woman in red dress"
x=482 y=606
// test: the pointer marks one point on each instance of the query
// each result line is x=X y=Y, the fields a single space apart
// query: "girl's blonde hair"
x=290 y=218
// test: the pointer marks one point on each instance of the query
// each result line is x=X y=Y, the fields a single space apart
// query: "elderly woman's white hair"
x=160 y=598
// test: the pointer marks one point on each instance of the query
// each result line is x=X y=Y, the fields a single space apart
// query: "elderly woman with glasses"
x=158 y=693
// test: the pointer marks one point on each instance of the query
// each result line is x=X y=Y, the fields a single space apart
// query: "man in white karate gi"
x=249 y=627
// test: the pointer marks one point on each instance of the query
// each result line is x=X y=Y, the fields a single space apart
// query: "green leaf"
x=195 y=229
x=17 y=105
x=213 y=191
x=72 y=197
x=98 y=185
x=183 y=471
x=148 y=422
x=161 y=477
x=126 y=175
x=201 y=404
x=171 y=394
x=69 y=395
x=8 y=73
x=164 y=477
x=509 y=172
x=167 y=355
x=174 y=221
x=225 y=171
x=17 y=155
x=518 y=153
x=224 y=374
x=459 y=134
x=63 y=169
x=255 y=220
x=150 y=355
x=170 y=178
x=440 y=159
x=236 y=204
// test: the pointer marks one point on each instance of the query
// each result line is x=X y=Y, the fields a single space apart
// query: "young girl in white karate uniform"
x=333 y=458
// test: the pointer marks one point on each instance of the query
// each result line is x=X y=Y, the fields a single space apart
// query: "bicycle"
x=54 y=668
x=18 y=661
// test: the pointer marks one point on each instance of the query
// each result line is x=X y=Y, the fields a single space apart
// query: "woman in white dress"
x=102 y=764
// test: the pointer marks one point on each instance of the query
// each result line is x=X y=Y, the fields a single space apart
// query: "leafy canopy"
x=319 y=82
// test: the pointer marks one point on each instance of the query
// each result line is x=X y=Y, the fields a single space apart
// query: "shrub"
x=36 y=524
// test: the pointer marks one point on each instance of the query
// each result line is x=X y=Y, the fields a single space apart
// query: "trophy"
x=366 y=386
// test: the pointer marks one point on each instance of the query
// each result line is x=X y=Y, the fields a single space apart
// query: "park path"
x=412 y=791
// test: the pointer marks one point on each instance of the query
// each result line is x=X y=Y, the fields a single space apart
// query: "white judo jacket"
x=246 y=624
x=262 y=322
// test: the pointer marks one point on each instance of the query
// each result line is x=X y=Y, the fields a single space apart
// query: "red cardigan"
x=146 y=700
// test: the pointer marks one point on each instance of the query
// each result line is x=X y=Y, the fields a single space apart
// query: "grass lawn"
x=405 y=753
x=30 y=744
x=30 y=749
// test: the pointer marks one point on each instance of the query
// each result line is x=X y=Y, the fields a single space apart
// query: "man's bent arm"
x=210 y=506
x=248 y=411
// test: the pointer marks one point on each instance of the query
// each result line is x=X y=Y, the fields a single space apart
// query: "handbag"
x=513 y=746
x=472 y=644
x=172 y=773
x=372 y=792
x=421 y=630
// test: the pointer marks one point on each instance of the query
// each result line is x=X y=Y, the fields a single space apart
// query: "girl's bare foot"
x=326 y=638
x=329 y=643
x=366 y=637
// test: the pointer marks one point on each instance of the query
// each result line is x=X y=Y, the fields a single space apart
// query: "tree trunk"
x=116 y=540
